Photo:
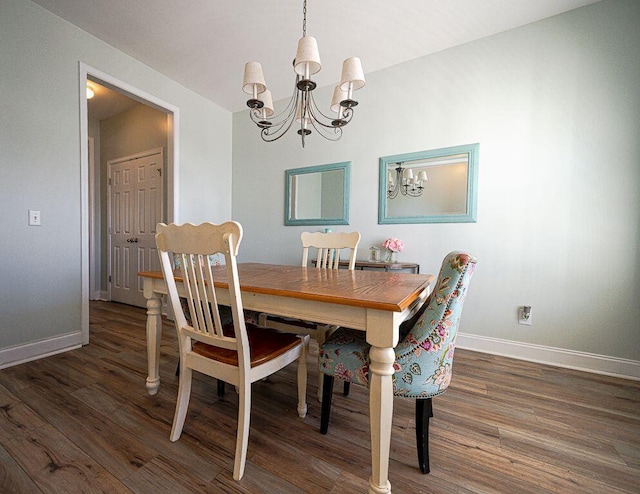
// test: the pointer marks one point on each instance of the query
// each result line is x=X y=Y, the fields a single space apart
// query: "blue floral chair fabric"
x=424 y=356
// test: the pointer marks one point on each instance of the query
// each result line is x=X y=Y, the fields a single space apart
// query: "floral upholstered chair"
x=424 y=356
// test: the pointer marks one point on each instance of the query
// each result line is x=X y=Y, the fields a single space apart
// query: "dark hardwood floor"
x=82 y=421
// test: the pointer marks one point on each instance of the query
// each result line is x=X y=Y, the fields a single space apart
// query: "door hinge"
x=159 y=171
x=109 y=278
x=109 y=181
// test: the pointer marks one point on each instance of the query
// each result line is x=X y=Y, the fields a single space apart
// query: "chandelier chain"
x=304 y=19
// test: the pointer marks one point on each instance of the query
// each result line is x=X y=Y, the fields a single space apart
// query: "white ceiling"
x=204 y=44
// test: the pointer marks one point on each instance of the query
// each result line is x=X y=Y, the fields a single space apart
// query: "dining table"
x=376 y=302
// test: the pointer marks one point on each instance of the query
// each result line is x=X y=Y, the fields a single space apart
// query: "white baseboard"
x=39 y=349
x=98 y=295
x=588 y=362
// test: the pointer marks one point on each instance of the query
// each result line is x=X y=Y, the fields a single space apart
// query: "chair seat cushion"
x=345 y=355
x=265 y=344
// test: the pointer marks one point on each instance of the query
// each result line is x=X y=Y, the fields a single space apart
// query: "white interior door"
x=135 y=208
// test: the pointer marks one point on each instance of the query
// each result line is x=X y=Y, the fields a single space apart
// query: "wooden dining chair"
x=328 y=247
x=423 y=358
x=238 y=353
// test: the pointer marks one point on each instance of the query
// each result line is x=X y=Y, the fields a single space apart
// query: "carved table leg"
x=381 y=414
x=154 y=333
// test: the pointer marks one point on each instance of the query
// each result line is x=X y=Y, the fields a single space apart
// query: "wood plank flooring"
x=83 y=422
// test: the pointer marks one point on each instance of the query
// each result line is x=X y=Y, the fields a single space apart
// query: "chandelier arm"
x=275 y=132
x=285 y=120
x=414 y=193
x=285 y=115
x=331 y=134
x=256 y=117
x=347 y=115
x=393 y=192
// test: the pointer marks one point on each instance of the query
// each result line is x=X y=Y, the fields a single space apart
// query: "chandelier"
x=402 y=180
x=302 y=108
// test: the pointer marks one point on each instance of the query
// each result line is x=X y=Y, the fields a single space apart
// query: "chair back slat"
x=329 y=245
x=198 y=281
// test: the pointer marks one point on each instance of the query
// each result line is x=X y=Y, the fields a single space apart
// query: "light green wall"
x=40 y=277
x=555 y=106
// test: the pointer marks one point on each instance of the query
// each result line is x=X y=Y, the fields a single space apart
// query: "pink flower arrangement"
x=393 y=244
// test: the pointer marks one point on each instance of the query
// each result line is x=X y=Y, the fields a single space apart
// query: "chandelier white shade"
x=302 y=108
x=352 y=74
x=338 y=96
x=267 y=100
x=307 y=57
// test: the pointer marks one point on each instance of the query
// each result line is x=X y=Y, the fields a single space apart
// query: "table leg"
x=381 y=413
x=154 y=333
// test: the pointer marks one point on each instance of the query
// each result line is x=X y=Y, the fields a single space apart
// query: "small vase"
x=392 y=257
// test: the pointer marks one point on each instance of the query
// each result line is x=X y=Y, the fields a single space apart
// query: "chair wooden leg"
x=220 y=388
x=302 y=378
x=424 y=411
x=327 y=392
x=347 y=387
x=242 y=439
x=182 y=403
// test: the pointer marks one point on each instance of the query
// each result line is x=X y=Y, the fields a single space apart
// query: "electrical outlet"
x=34 y=217
x=524 y=315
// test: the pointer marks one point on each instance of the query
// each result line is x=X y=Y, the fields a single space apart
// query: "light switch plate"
x=34 y=217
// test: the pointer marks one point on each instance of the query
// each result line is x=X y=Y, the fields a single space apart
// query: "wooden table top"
x=369 y=289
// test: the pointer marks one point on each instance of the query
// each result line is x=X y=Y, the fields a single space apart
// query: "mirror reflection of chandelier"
x=302 y=108
x=402 y=180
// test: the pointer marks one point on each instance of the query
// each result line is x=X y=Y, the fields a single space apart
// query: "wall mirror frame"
x=434 y=186
x=317 y=195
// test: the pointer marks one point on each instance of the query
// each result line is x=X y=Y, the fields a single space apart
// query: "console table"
x=409 y=267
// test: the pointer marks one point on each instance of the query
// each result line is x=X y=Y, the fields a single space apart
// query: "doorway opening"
x=118 y=95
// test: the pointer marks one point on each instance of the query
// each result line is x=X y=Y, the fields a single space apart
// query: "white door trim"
x=173 y=133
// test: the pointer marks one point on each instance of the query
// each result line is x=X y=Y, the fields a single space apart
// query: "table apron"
x=375 y=322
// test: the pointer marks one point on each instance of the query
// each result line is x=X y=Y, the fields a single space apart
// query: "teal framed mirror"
x=317 y=195
x=435 y=186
